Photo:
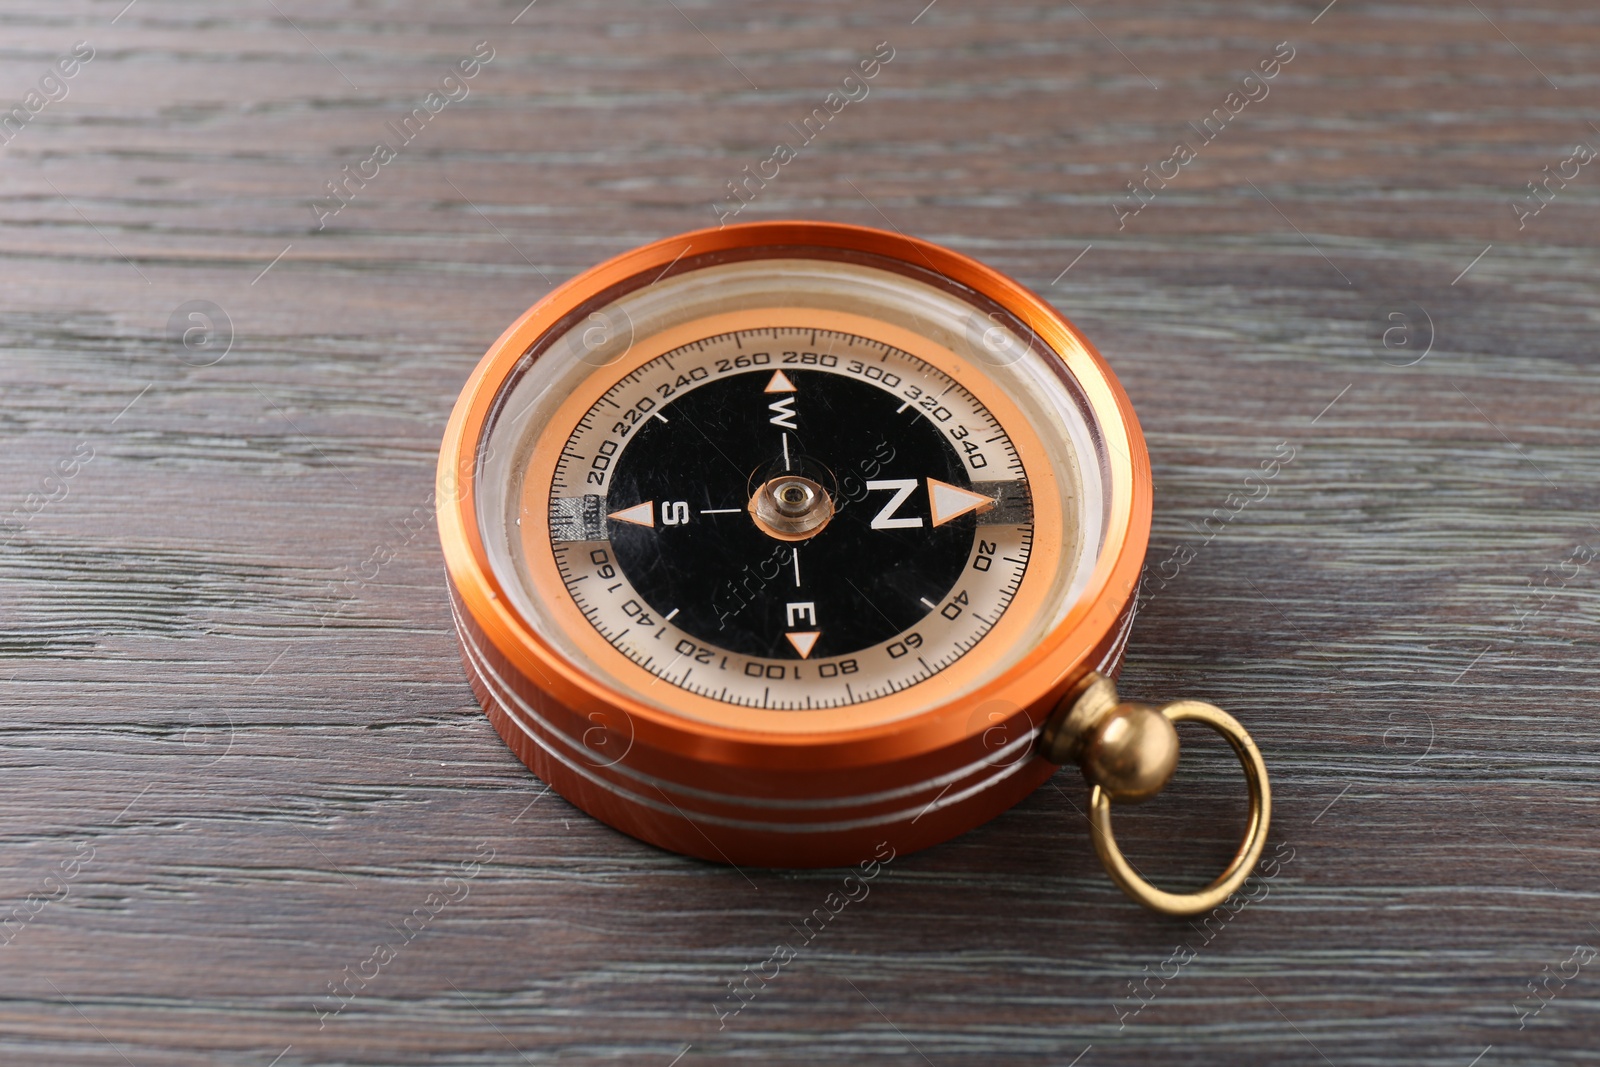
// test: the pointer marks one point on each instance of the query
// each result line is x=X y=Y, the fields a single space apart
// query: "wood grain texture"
x=238 y=754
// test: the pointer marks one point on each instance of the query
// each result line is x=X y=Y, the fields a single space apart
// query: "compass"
x=778 y=543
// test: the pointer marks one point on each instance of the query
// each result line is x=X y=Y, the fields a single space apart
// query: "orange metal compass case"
x=773 y=543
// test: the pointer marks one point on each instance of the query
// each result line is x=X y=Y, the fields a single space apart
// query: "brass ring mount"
x=1127 y=752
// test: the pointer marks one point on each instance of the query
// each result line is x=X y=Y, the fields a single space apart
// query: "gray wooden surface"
x=237 y=752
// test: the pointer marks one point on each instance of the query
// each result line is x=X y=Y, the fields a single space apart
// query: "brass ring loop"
x=1255 y=838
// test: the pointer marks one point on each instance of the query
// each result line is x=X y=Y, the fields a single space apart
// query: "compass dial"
x=793 y=495
x=790 y=517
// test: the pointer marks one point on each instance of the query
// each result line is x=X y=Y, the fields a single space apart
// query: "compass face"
x=790 y=495
x=791 y=517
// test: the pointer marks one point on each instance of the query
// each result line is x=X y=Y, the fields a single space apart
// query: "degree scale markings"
x=792 y=680
x=1012 y=465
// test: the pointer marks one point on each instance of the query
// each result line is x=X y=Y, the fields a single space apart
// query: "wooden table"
x=239 y=752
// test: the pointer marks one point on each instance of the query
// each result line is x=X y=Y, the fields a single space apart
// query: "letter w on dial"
x=885 y=519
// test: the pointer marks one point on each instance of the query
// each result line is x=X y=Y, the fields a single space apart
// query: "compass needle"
x=638 y=515
x=804 y=642
x=948 y=502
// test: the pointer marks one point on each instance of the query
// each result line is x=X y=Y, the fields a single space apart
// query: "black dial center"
x=878 y=565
